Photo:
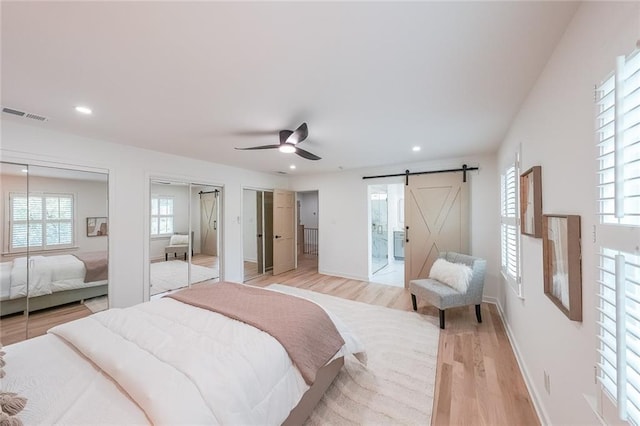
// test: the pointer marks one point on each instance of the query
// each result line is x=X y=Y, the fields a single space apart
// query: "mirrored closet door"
x=54 y=259
x=257 y=232
x=184 y=243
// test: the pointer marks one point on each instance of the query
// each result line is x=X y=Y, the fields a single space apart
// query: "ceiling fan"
x=288 y=143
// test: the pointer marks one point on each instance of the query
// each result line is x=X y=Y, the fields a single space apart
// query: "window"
x=618 y=233
x=161 y=215
x=41 y=221
x=509 y=227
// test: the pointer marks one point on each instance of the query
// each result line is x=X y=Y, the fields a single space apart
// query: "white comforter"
x=47 y=274
x=181 y=365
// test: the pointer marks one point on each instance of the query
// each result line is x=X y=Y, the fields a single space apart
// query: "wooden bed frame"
x=11 y=306
x=310 y=399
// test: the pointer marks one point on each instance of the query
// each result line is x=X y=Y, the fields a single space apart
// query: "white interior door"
x=284 y=243
x=209 y=223
x=436 y=220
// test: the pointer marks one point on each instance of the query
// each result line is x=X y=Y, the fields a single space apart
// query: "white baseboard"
x=343 y=275
x=535 y=396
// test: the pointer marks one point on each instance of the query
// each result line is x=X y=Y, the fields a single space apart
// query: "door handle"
x=259 y=235
x=277 y=236
x=406 y=234
x=215 y=225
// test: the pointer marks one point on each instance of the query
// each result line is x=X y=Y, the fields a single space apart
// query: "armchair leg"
x=442 y=319
x=166 y=257
x=413 y=301
x=478 y=315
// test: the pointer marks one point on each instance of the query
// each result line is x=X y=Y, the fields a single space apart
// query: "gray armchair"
x=442 y=296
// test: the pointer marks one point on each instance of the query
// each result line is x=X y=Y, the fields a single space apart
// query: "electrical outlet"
x=547 y=383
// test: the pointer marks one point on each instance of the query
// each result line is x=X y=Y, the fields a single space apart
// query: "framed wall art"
x=562 y=263
x=97 y=227
x=531 y=202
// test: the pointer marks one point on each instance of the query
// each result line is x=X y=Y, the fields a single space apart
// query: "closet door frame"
x=190 y=181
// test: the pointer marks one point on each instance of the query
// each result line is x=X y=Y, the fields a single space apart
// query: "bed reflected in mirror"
x=53 y=268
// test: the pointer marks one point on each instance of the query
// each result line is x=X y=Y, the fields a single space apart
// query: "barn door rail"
x=464 y=169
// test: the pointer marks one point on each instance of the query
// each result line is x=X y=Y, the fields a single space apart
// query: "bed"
x=170 y=362
x=53 y=280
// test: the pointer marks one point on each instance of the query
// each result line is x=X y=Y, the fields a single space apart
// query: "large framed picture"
x=562 y=263
x=97 y=227
x=531 y=202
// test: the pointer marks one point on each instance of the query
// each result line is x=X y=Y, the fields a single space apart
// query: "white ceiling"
x=198 y=79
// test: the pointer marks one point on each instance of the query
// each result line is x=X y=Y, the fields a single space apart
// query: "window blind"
x=618 y=155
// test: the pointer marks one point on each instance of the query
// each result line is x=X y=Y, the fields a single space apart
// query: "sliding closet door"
x=15 y=251
x=54 y=221
x=205 y=226
x=68 y=245
x=169 y=238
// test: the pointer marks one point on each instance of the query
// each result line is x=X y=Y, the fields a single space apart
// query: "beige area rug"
x=165 y=276
x=397 y=386
x=97 y=304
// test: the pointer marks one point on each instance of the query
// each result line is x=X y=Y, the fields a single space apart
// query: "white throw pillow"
x=455 y=275
x=177 y=240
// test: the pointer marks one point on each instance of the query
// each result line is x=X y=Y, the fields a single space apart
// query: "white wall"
x=129 y=172
x=308 y=209
x=343 y=215
x=90 y=197
x=555 y=127
x=250 y=225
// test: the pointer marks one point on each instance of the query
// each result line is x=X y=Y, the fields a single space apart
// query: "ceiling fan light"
x=287 y=148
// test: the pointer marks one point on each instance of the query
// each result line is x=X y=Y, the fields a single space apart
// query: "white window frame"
x=159 y=216
x=43 y=221
x=510 y=226
x=617 y=235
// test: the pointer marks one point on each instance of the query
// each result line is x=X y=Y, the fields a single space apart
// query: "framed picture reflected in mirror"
x=531 y=202
x=562 y=263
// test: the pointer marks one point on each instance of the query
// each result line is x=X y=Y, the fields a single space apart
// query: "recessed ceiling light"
x=293 y=166
x=25 y=171
x=416 y=148
x=83 y=110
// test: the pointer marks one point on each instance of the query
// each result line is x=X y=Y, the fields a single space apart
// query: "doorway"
x=386 y=225
x=308 y=229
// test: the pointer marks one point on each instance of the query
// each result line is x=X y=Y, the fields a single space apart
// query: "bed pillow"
x=177 y=240
x=455 y=275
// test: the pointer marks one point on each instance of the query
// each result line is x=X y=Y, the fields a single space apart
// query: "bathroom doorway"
x=387 y=235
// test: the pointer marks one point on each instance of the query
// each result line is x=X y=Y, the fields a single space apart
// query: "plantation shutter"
x=509 y=227
x=618 y=144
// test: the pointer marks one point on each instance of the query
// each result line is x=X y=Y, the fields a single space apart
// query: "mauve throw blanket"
x=303 y=328
x=96 y=265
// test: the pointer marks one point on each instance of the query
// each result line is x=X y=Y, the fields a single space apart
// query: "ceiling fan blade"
x=299 y=135
x=260 y=147
x=306 y=154
x=284 y=136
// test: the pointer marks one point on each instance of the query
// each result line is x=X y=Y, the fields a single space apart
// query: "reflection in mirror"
x=184 y=237
x=51 y=254
x=205 y=225
x=169 y=236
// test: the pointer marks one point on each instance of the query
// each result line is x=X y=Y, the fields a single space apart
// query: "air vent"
x=24 y=114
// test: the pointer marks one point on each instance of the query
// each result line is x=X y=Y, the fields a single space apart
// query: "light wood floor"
x=478 y=381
